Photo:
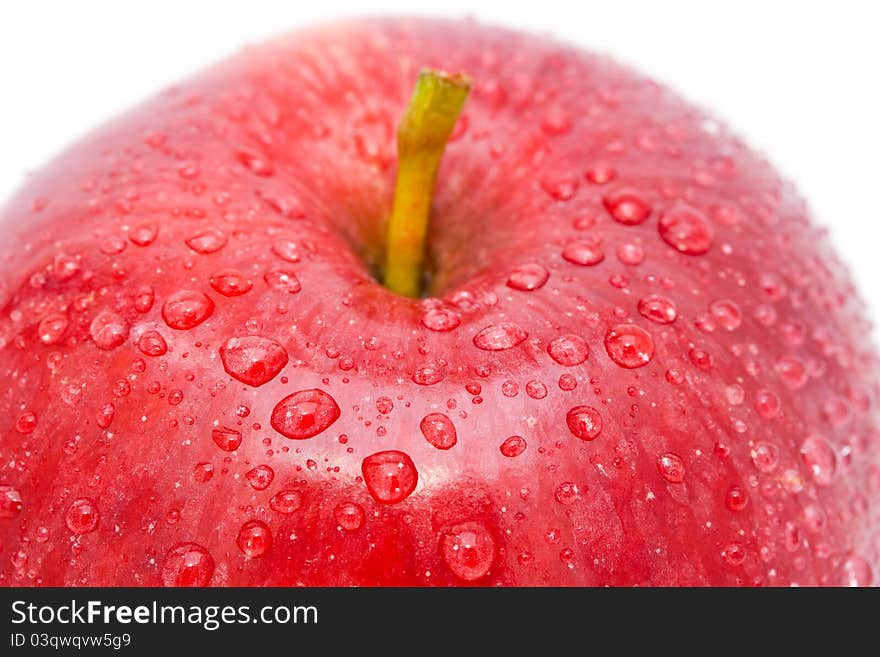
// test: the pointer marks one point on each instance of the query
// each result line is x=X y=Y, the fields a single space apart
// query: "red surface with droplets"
x=579 y=205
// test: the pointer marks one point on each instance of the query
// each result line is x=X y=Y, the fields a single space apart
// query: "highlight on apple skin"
x=630 y=358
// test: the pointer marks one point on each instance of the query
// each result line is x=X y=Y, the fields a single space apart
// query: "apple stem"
x=421 y=139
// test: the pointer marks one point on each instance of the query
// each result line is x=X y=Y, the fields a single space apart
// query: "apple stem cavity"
x=422 y=135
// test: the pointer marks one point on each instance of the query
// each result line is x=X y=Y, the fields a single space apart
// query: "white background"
x=799 y=80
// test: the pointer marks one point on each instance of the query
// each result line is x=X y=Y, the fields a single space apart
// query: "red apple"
x=635 y=362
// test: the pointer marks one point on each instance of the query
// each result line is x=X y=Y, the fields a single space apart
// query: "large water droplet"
x=468 y=549
x=627 y=206
x=108 y=330
x=686 y=229
x=820 y=458
x=513 y=446
x=671 y=467
x=151 y=343
x=439 y=430
x=187 y=565
x=82 y=516
x=230 y=282
x=10 y=502
x=585 y=422
x=440 y=319
x=304 y=414
x=186 y=309
x=658 y=308
x=252 y=359
x=498 y=337
x=629 y=346
x=583 y=252
x=390 y=476
x=568 y=350
x=207 y=241
x=226 y=439
x=527 y=278
x=254 y=539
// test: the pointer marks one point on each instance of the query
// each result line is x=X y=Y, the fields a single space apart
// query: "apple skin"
x=234 y=222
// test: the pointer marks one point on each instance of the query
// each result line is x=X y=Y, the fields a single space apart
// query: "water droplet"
x=187 y=309
x=439 y=430
x=536 y=389
x=283 y=281
x=671 y=467
x=857 y=572
x=566 y=493
x=203 y=472
x=26 y=422
x=583 y=252
x=468 y=550
x=734 y=554
x=304 y=414
x=226 y=439
x=252 y=359
x=585 y=422
x=686 y=229
x=254 y=539
x=528 y=278
x=627 y=206
x=560 y=189
x=286 y=502
x=429 y=373
x=767 y=404
x=440 y=319
x=144 y=234
x=104 y=417
x=384 y=405
x=498 y=337
x=82 y=516
x=151 y=343
x=143 y=299
x=658 y=308
x=10 y=502
x=230 y=282
x=631 y=254
x=108 y=330
x=820 y=458
x=349 y=516
x=600 y=174
x=389 y=476
x=207 y=241
x=567 y=382
x=765 y=456
x=629 y=346
x=52 y=328
x=568 y=350
x=187 y=565
x=287 y=250
x=260 y=477
x=726 y=313
x=792 y=371
x=736 y=499
x=513 y=446
x=256 y=163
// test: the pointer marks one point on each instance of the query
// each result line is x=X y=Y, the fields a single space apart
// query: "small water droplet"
x=658 y=308
x=569 y=350
x=144 y=234
x=560 y=189
x=286 y=502
x=627 y=206
x=686 y=229
x=390 y=476
x=26 y=422
x=629 y=346
x=792 y=371
x=498 y=337
x=820 y=458
x=207 y=241
x=726 y=313
x=536 y=389
x=52 y=328
x=10 y=502
x=186 y=309
x=584 y=422
x=260 y=477
x=440 y=319
x=857 y=572
x=528 y=278
x=566 y=493
x=252 y=359
x=304 y=414
x=349 y=516
x=187 y=565
x=203 y=472
x=765 y=456
x=513 y=446
x=439 y=430
x=671 y=467
x=108 y=330
x=283 y=281
x=468 y=550
x=256 y=163
x=82 y=516
x=429 y=373
x=736 y=499
x=230 y=282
